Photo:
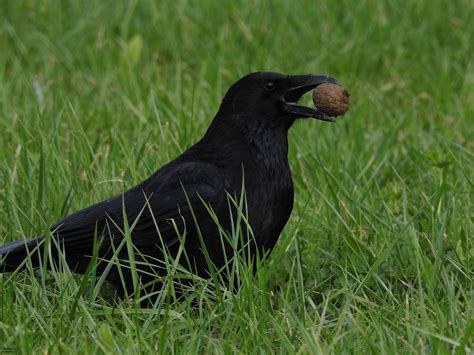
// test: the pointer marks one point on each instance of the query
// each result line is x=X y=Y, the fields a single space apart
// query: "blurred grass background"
x=378 y=254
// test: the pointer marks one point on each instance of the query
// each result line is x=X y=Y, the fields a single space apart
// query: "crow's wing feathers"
x=162 y=204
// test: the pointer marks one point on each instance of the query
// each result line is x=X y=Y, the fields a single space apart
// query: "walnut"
x=332 y=99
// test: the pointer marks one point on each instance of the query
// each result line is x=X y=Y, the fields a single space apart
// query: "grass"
x=378 y=255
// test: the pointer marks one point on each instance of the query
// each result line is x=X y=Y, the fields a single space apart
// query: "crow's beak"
x=299 y=85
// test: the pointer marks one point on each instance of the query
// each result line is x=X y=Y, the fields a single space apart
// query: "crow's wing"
x=154 y=210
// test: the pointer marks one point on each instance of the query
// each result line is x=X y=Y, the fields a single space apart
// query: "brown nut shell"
x=332 y=99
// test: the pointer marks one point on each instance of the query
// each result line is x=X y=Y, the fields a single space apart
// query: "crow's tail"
x=13 y=254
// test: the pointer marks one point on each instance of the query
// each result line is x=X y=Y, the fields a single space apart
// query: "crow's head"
x=273 y=97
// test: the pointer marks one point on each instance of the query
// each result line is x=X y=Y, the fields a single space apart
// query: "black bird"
x=245 y=150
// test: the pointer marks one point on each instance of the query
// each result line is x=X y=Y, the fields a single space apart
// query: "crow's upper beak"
x=299 y=85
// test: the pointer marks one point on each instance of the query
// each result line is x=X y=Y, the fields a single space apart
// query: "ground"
x=378 y=254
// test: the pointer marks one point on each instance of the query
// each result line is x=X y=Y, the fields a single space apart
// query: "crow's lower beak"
x=299 y=85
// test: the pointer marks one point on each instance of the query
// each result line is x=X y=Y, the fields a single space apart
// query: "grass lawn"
x=378 y=255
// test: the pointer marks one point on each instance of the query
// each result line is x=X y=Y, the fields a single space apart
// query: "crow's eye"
x=270 y=86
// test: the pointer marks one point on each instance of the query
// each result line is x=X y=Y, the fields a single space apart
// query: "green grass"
x=378 y=255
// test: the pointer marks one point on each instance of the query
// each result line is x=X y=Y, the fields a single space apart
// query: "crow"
x=191 y=207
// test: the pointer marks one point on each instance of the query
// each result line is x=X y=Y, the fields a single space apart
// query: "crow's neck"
x=271 y=146
x=268 y=142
